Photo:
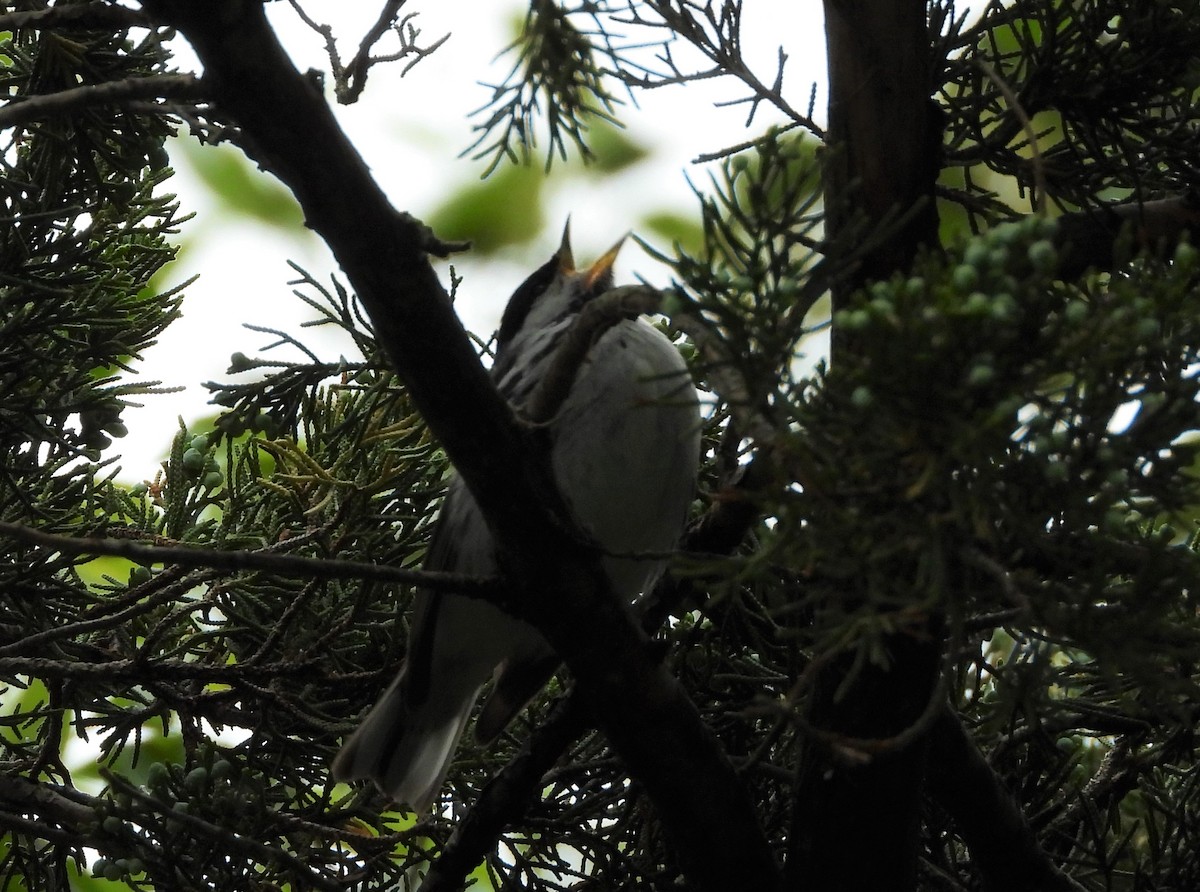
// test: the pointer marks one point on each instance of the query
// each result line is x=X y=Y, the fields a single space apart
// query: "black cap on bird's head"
x=556 y=289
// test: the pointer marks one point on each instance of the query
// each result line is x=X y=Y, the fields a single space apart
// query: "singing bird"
x=624 y=449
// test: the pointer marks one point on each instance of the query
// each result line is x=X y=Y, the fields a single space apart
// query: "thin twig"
x=291 y=565
x=350 y=79
x=356 y=71
x=43 y=799
x=718 y=38
x=1014 y=102
x=140 y=670
x=161 y=589
x=227 y=838
x=728 y=383
x=21 y=109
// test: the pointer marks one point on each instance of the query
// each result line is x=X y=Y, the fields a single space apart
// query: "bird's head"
x=554 y=291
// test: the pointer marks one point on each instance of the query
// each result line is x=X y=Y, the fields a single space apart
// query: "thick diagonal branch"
x=505 y=798
x=1003 y=845
x=289 y=129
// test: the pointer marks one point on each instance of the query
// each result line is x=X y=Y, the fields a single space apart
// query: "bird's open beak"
x=566 y=259
x=604 y=265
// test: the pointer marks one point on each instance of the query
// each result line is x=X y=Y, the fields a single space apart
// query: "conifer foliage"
x=934 y=624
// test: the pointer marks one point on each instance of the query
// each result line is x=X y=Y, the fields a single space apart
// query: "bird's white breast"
x=625 y=447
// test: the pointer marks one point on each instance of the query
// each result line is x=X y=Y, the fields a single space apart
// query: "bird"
x=624 y=451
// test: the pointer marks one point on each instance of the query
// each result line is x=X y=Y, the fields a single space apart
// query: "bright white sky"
x=410 y=132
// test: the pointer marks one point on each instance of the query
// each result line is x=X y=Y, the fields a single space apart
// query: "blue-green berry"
x=1043 y=256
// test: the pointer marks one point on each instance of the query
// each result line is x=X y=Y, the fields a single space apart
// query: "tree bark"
x=1003 y=846
x=883 y=144
x=856 y=820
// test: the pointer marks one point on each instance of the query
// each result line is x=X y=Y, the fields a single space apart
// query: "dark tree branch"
x=884 y=137
x=505 y=799
x=644 y=711
x=1003 y=845
x=290 y=130
x=1092 y=238
x=882 y=161
x=142 y=670
x=20 y=794
x=65 y=102
x=236 y=561
x=83 y=15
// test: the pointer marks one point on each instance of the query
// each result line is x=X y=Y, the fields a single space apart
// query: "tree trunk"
x=855 y=819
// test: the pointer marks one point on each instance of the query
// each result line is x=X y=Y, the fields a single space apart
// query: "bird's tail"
x=405 y=750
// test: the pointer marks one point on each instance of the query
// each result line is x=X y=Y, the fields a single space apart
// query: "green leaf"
x=676 y=229
x=613 y=149
x=240 y=186
x=505 y=209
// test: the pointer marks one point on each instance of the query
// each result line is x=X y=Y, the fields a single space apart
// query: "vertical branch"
x=883 y=138
x=881 y=166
